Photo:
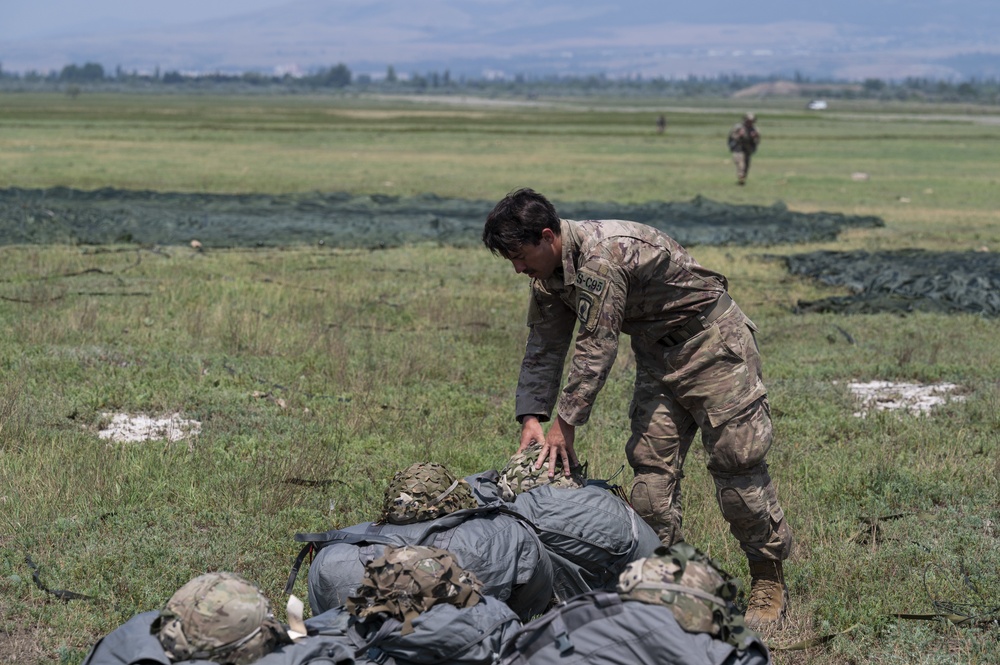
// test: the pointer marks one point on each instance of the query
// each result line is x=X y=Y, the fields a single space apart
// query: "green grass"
x=345 y=366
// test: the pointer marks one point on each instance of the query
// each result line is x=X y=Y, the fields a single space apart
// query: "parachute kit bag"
x=417 y=605
x=590 y=533
x=605 y=628
x=494 y=543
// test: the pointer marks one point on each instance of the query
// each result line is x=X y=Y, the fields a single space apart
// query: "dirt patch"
x=105 y=216
x=128 y=428
x=20 y=645
x=913 y=398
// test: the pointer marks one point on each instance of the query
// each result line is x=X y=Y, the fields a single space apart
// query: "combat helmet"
x=749 y=117
x=424 y=491
x=698 y=592
x=520 y=474
x=407 y=581
x=219 y=617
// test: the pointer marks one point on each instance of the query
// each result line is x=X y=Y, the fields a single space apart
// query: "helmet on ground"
x=219 y=617
x=407 y=581
x=749 y=117
x=424 y=491
x=520 y=474
x=698 y=592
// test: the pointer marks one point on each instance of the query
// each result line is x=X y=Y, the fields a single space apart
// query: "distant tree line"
x=77 y=78
x=337 y=76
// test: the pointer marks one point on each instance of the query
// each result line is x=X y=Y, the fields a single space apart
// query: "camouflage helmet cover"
x=424 y=491
x=689 y=583
x=520 y=474
x=407 y=581
x=219 y=617
x=749 y=117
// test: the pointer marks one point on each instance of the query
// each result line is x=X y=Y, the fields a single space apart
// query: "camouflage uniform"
x=743 y=141
x=623 y=277
x=520 y=474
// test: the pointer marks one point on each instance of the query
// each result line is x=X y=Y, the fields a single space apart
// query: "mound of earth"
x=903 y=281
x=793 y=89
x=104 y=216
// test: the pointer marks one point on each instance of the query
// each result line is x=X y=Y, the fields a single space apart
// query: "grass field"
x=316 y=373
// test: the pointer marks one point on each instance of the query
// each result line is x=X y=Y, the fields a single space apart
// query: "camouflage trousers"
x=711 y=382
x=742 y=161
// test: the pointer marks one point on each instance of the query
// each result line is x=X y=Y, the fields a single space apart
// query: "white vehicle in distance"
x=816 y=105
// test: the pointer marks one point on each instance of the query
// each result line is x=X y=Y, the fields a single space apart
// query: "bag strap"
x=439 y=533
x=609 y=485
x=317 y=541
x=585 y=608
x=491 y=476
x=452 y=520
x=369 y=647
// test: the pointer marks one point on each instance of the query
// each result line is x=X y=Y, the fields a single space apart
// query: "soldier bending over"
x=697 y=368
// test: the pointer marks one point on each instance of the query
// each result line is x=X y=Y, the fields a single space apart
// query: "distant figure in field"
x=661 y=124
x=743 y=141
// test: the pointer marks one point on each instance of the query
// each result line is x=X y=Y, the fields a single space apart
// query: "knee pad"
x=656 y=499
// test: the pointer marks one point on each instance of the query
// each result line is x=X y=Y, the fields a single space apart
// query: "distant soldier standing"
x=743 y=141
x=661 y=124
x=697 y=368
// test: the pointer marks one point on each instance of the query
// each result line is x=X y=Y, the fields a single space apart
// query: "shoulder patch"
x=583 y=306
x=589 y=281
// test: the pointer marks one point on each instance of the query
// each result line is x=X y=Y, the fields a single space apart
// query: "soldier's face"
x=538 y=261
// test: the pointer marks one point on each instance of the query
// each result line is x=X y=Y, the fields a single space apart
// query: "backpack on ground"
x=602 y=628
x=443 y=634
x=494 y=543
x=133 y=643
x=590 y=534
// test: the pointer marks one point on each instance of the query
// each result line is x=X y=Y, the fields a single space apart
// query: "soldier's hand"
x=558 y=446
x=531 y=432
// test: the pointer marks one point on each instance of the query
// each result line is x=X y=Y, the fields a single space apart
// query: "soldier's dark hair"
x=518 y=219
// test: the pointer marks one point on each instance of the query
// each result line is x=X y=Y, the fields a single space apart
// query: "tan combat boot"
x=768 y=595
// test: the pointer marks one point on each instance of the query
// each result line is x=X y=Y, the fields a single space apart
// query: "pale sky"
x=852 y=39
x=26 y=19
x=23 y=19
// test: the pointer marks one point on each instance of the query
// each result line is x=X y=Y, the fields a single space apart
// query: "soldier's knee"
x=653 y=493
x=656 y=499
x=742 y=443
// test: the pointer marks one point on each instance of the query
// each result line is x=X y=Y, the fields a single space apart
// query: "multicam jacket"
x=743 y=138
x=617 y=277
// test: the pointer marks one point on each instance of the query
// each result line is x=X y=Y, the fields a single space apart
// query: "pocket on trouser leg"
x=716 y=375
x=656 y=499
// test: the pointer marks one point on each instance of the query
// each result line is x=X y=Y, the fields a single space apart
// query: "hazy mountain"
x=851 y=39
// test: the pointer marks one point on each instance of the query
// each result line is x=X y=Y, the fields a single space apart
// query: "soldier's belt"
x=698 y=322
